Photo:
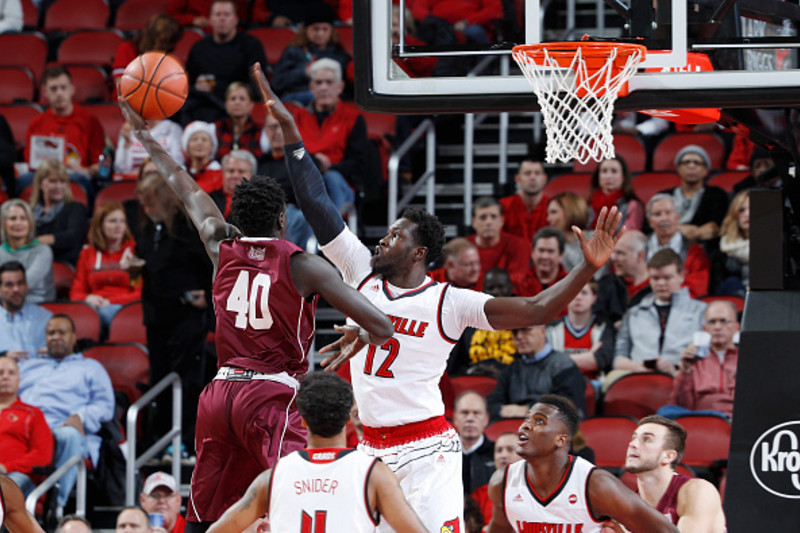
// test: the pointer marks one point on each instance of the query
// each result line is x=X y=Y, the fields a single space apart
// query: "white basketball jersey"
x=566 y=510
x=319 y=490
x=2 y=507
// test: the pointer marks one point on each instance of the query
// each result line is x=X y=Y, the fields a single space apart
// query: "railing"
x=133 y=463
x=428 y=178
x=47 y=484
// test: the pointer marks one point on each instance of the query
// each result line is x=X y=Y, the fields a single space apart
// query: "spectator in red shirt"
x=82 y=134
x=473 y=18
x=526 y=211
x=238 y=131
x=161 y=495
x=548 y=247
x=25 y=438
x=496 y=247
x=462 y=265
x=237 y=166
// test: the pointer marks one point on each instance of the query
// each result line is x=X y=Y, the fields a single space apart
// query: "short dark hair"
x=12 y=266
x=55 y=72
x=257 y=204
x=676 y=435
x=665 y=257
x=72 y=518
x=65 y=317
x=565 y=409
x=324 y=401
x=428 y=232
x=486 y=201
x=550 y=233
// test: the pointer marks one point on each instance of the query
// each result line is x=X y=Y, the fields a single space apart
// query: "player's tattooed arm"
x=251 y=507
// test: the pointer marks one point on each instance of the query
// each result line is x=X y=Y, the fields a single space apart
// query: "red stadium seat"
x=483 y=385
x=590 y=398
x=708 y=439
x=119 y=191
x=128 y=325
x=346 y=38
x=74 y=15
x=274 y=41
x=127 y=365
x=507 y=425
x=18 y=85
x=667 y=149
x=86 y=319
x=110 y=116
x=18 y=118
x=133 y=14
x=24 y=50
x=30 y=15
x=629 y=148
x=638 y=394
x=577 y=183
x=727 y=180
x=63 y=275
x=738 y=301
x=649 y=183
x=382 y=130
x=187 y=40
x=608 y=436
x=78 y=194
x=90 y=47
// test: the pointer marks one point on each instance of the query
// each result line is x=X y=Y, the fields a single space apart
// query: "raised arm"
x=18 y=519
x=200 y=207
x=309 y=189
x=384 y=490
x=508 y=313
x=609 y=497
x=251 y=507
x=700 y=508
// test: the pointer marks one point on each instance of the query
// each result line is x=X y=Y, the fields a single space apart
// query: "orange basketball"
x=155 y=85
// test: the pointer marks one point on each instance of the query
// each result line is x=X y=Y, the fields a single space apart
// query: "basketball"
x=155 y=85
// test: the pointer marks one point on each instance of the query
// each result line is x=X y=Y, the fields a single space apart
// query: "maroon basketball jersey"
x=668 y=505
x=263 y=323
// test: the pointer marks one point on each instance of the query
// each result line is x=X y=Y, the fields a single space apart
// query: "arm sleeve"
x=311 y=195
x=100 y=404
x=80 y=288
x=41 y=443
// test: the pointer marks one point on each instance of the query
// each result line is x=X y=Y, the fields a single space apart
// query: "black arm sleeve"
x=311 y=195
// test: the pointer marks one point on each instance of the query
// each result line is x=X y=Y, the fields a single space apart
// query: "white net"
x=577 y=102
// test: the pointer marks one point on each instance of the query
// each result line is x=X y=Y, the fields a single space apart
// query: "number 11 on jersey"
x=250 y=301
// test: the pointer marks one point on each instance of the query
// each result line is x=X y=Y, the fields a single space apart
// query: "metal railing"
x=428 y=178
x=52 y=479
x=133 y=463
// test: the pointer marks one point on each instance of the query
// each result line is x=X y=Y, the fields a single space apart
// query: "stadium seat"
x=78 y=194
x=18 y=85
x=24 y=50
x=727 y=180
x=119 y=191
x=638 y=394
x=127 y=365
x=63 y=275
x=382 y=130
x=18 y=118
x=708 y=439
x=30 y=15
x=495 y=429
x=483 y=385
x=90 y=47
x=128 y=325
x=647 y=184
x=110 y=116
x=91 y=83
x=577 y=183
x=187 y=40
x=667 y=149
x=274 y=41
x=86 y=319
x=609 y=436
x=629 y=148
x=738 y=301
x=346 y=38
x=133 y=14
x=74 y=15
x=590 y=398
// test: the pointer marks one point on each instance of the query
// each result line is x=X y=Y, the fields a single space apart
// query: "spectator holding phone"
x=707 y=378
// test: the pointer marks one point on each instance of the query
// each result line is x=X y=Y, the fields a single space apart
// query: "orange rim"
x=595 y=54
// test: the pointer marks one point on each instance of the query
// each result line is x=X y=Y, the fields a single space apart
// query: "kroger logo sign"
x=775 y=460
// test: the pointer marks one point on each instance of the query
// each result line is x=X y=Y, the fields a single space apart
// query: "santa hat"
x=205 y=127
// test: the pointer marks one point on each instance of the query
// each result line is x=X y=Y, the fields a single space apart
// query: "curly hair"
x=257 y=204
x=428 y=233
x=324 y=401
x=565 y=411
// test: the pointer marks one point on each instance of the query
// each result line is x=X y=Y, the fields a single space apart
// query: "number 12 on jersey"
x=249 y=300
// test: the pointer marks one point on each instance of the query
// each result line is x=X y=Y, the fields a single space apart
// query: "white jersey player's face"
x=542 y=432
x=394 y=251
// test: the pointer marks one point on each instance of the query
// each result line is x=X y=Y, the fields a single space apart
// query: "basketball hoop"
x=577 y=84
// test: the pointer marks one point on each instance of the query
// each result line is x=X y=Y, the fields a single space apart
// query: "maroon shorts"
x=242 y=429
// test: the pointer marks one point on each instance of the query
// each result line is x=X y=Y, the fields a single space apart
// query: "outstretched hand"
x=271 y=100
x=343 y=349
x=597 y=250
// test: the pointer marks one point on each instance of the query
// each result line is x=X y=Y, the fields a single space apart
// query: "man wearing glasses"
x=161 y=496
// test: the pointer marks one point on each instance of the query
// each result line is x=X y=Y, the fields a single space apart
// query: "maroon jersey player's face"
x=394 y=251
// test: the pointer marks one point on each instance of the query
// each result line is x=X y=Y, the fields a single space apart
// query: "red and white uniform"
x=566 y=509
x=320 y=490
x=2 y=507
x=396 y=384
